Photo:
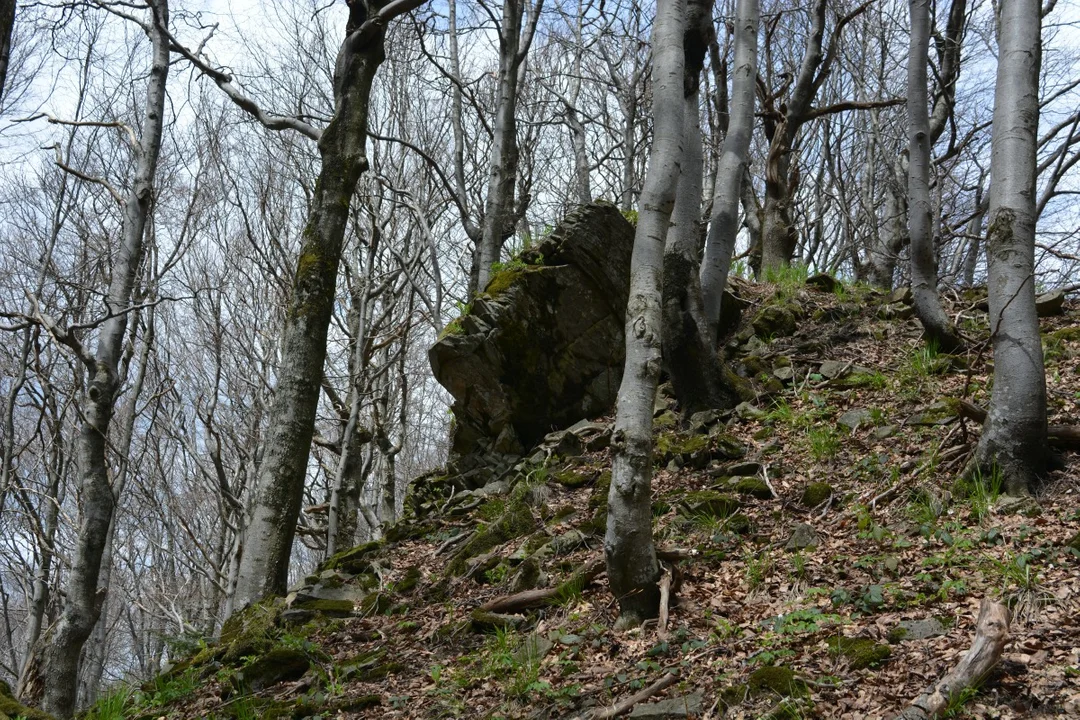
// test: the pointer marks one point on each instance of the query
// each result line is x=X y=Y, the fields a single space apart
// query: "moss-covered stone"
x=775 y=320
x=755 y=487
x=277 y=665
x=573 y=478
x=599 y=496
x=376 y=603
x=484 y=621
x=776 y=680
x=355 y=560
x=670 y=444
x=330 y=608
x=368 y=666
x=816 y=493
x=710 y=503
x=1074 y=543
x=251 y=631
x=666 y=420
x=860 y=653
x=361 y=702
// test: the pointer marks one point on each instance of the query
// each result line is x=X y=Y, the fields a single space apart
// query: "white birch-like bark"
x=724 y=223
x=64 y=642
x=631 y=555
x=924 y=271
x=1014 y=435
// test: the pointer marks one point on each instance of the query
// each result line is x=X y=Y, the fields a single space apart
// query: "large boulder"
x=542 y=347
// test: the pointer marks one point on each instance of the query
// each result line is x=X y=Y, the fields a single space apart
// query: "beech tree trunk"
x=924 y=271
x=1014 y=439
x=628 y=544
x=264 y=566
x=63 y=643
x=7 y=24
x=724 y=223
x=689 y=353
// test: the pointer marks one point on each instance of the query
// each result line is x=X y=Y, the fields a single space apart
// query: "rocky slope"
x=824 y=560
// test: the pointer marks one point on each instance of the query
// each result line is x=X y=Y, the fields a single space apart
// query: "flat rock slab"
x=802 y=536
x=676 y=708
x=918 y=629
x=1051 y=303
x=855 y=418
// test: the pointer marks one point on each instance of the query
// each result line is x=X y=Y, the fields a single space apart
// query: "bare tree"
x=1014 y=435
x=724 y=225
x=631 y=556
x=924 y=275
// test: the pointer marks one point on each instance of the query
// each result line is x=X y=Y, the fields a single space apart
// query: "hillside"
x=824 y=559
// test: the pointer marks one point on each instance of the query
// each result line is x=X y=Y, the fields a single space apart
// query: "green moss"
x=777 y=680
x=666 y=420
x=484 y=621
x=860 y=653
x=673 y=443
x=368 y=666
x=599 y=496
x=739 y=524
x=815 y=494
x=897 y=634
x=409 y=581
x=12 y=708
x=573 y=479
x=333 y=608
x=755 y=487
x=354 y=560
x=275 y=666
x=362 y=702
x=376 y=603
x=777 y=320
x=252 y=631
x=1069 y=334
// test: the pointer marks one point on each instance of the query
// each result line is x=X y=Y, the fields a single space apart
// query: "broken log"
x=625 y=706
x=991 y=632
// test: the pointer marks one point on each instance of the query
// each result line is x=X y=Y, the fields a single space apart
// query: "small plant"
x=111 y=707
x=1022 y=587
x=758 y=567
x=824 y=443
x=981 y=492
x=788 y=275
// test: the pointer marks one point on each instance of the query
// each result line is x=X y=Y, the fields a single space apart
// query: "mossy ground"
x=753 y=619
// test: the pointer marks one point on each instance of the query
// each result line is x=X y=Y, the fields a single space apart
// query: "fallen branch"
x=991 y=631
x=665 y=599
x=624 y=706
x=1062 y=436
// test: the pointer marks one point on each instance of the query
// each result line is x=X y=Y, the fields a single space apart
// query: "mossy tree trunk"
x=632 y=568
x=280 y=482
x=1014 y=436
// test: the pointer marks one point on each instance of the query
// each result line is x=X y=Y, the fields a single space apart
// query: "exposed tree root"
x=1066 y=437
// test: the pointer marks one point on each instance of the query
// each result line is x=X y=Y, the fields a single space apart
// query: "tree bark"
x=1014 y=438
x=724 y=223
x=924 y=271
x=628 y=544
x=64 y=642
x=689 y=353
x=7 y=24
x=264 y=566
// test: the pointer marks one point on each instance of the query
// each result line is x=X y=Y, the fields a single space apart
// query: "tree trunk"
x=64 y=643
x=1014 y=436
x=924 y=271
x=631 y=556
x=724 y=223
x=689 y=353
x=7 y=24
x=264 y=566
x=499 y=207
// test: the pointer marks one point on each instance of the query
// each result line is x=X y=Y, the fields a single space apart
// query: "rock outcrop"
x=542 y=347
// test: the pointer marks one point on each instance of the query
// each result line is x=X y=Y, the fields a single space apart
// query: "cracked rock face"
x=542 y=347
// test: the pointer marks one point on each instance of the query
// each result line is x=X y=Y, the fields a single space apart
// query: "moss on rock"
x=778 y=680
x=860 y=653
x=573 y=478
x=355 y=560
x=252 y=631
x=775 y=320
x=816 y=493
x=755 y=487
x=277 y=665
x=515 y=522
x=11 y=708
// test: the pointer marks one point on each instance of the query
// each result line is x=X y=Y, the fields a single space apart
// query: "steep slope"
x=824 y=560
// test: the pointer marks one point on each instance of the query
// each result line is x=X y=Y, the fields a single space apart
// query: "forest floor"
x=866 y=450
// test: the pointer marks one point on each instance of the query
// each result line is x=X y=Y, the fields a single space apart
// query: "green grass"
x=824 y=443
